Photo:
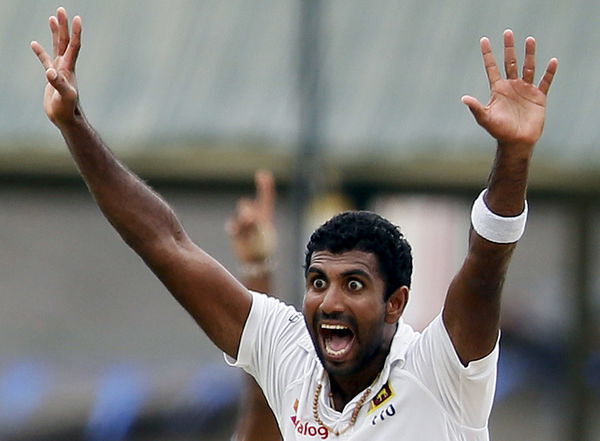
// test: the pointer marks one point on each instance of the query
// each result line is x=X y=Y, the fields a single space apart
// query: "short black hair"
x=366 y=231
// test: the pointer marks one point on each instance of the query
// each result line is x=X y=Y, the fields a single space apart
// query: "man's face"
x=345 y=311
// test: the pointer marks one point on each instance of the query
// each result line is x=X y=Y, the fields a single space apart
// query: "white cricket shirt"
x=423 y=393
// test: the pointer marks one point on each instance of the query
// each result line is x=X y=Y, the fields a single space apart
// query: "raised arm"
x=514 y=116
x=253 y=238
x=216 y=300
x=253 y=235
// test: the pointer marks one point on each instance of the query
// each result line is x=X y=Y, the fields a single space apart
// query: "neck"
x=345 y=387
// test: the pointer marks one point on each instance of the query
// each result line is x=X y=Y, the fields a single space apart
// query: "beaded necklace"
x=355 y=412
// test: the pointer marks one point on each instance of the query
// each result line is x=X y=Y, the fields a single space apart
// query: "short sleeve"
x=465 y=392
x=268 y=345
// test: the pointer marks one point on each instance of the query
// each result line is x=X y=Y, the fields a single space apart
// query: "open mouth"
x=337 y=339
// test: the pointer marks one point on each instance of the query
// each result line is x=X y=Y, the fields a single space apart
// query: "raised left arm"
x=514 y=116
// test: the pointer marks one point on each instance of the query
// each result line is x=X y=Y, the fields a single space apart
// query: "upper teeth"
x=324 y=326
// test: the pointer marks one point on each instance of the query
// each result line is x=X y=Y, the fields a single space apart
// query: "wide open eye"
x=319 y=283
x=355 y=285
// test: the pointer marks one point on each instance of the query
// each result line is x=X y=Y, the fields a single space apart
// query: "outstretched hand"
x=516 y=111
x=251 y=228
x=61 y=95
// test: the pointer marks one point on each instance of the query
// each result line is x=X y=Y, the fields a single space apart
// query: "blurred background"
x=350 y=104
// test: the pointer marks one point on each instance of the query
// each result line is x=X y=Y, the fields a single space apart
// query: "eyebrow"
x=350 y=272
x=315 y=271
x=357 y=272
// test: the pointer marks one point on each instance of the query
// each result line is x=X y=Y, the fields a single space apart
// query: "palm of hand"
x=60 y=94
x=515 y=112
x=59 y=106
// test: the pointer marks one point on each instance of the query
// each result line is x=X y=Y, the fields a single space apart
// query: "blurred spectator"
x=253 y=237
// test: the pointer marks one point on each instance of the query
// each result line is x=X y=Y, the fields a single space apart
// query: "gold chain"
x=355 y=412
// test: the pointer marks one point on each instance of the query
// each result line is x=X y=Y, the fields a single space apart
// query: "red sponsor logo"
x=307 y=429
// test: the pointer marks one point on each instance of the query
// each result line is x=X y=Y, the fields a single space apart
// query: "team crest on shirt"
x=382 y=397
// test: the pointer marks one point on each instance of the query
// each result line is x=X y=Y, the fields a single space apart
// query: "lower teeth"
x=334 y=352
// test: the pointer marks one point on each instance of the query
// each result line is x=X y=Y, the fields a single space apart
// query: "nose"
x=333 y=301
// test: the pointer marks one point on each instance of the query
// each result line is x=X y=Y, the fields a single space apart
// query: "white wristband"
x=496 y=228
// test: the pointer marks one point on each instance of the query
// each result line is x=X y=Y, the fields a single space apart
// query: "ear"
x=395 y=305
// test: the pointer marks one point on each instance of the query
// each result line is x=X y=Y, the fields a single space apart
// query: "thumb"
x=476 y=108
x=59 y=82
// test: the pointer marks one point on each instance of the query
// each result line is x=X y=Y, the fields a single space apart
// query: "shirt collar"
x=403 y=337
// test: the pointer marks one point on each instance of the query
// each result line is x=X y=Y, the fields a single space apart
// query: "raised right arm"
x=214 y=298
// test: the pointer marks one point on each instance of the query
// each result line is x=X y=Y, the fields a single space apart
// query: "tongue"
x=339 y=342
